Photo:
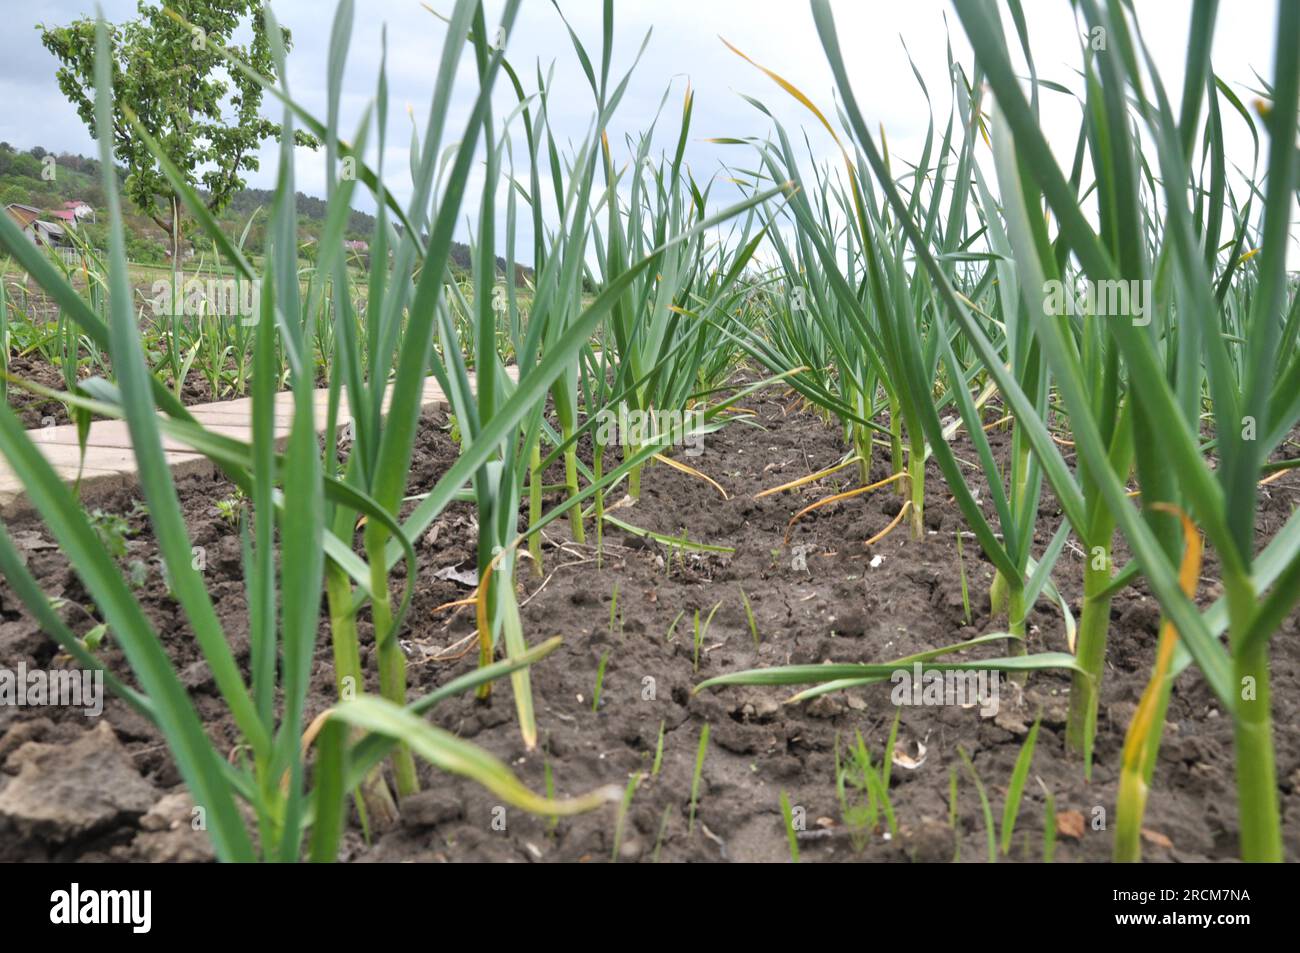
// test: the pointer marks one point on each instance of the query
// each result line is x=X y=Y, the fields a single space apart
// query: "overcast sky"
x=685 y=45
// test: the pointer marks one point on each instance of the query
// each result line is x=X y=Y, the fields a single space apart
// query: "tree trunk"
x=177 y=283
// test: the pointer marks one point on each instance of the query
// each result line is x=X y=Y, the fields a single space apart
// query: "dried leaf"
x=1070 y=824
x=1155 y=837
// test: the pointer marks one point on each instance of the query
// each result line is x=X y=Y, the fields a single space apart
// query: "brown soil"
x=36 y=410
x=839 y=608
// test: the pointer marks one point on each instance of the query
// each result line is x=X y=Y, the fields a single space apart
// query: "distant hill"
x=360 y=225
x=25 y=179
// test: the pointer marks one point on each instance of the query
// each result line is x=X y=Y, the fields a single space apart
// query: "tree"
x=205 y=116
x=26 y=165
x=12 y=193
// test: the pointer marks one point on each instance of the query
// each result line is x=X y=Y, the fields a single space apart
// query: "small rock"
x=1011 y=721
x=760 y=709
x=63 y=792
x=429 y=808
x=38 y=729
x=168 y=835
x=170 y=812
x=825 y=706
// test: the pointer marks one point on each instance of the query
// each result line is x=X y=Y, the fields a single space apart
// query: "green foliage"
x=862 y=787
x=168 y=79
x=112 y=531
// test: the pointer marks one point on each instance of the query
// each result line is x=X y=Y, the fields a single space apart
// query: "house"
x=23 y=215
x=82 y=210
x=356 y=245
x=49 y=234
x=44 y=228
x=42 y=232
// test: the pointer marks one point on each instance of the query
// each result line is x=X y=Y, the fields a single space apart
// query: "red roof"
x=67 y=216
x=75 y=205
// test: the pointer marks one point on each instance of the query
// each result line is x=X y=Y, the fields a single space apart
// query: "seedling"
x=965 y=589
x=112 y=531
x=749 y=617
x=696 y=638
x=659 y=751
x=787 y=814
x=862 y=810
x=232 y=507
x=1016 y=787
x=600 y=679
x=696 y=774
x=702 y=630
x=621 y=820
x=673 y=626
x=95 y=637
x=137 y=572
x=1049 y=823
x=614 y=611
x=990 y=830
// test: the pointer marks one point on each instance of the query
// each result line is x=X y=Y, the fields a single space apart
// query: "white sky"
x=685 y=44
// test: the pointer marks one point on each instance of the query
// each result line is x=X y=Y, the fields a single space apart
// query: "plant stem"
x=1016 y=625
x=1085 y=687
x=896 y=443
x=998 y=595
x=571 y=481
x=535 y=505
x=1016 y=615
x=375 y=803
x=392 y=663
x=862 y=444
x=916 y=480
x=598 y=471
x=343 y=632
x=1256 y=772
x=633 y=475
